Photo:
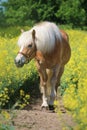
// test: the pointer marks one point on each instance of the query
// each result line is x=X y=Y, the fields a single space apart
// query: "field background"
x=18 y=86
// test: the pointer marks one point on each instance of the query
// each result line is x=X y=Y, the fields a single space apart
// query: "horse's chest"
x=47 y=63
x=47 y=60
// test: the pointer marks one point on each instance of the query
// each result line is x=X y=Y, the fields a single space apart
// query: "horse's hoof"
x=51 y=107
x=44 y=108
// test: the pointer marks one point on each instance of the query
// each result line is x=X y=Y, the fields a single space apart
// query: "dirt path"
x=33 y=118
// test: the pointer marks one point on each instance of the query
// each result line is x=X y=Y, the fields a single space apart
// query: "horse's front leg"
x=44 y=94
x=43 y=85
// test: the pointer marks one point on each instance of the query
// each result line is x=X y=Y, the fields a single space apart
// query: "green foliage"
x=72 y=12
x=6 y=120
x=20 y=12
x=2 y=18
x=11 y=32
x=28 y=12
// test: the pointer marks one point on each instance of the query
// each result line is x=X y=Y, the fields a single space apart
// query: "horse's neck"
x=39 y=56
x=48 y=60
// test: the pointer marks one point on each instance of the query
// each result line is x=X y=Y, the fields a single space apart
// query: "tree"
x=71 y=12
x=84 y=6
x=47 y=9
x=19 y=12
x=28 y=12
x=2 y=18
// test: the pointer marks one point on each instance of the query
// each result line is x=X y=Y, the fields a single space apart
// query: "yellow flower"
x=27 y=96
x=6 y=115
x=6 y=89
x=22 y=93
x=1 y=95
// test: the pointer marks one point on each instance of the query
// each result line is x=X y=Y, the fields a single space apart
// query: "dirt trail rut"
x=33 y=118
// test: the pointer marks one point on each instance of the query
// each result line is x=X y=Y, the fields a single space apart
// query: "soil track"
x=33 y=118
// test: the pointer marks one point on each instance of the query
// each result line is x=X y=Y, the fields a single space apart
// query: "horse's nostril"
x=17 y=61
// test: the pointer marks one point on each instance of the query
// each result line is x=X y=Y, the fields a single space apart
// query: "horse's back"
x=66 y=50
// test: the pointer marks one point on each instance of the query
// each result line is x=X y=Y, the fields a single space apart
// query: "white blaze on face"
x=20 y=59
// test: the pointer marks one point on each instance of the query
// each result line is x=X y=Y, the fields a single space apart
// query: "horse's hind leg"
x=57 y=73
x=49 y=75
x=59 y=77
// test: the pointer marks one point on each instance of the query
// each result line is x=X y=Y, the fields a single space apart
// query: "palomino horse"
x=50 y=48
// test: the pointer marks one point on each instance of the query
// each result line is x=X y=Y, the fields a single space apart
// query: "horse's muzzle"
x=18 y=63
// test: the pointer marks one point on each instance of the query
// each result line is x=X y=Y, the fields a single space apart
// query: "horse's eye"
x=30 y=45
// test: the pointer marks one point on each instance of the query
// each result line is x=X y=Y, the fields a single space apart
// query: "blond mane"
x=45 y=37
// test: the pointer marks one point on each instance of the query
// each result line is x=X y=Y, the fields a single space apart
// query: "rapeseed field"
x=12 y=78
x=74 y=80
x=73 y=83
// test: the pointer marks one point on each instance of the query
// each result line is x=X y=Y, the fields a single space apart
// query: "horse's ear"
x=33 y=34
x=22 y=30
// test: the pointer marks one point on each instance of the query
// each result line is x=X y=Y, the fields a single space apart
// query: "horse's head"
x=27 y=48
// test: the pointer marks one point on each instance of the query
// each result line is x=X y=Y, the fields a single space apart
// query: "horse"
x=50 y=48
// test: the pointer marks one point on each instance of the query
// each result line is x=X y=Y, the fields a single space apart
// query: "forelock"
x=24 y=39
